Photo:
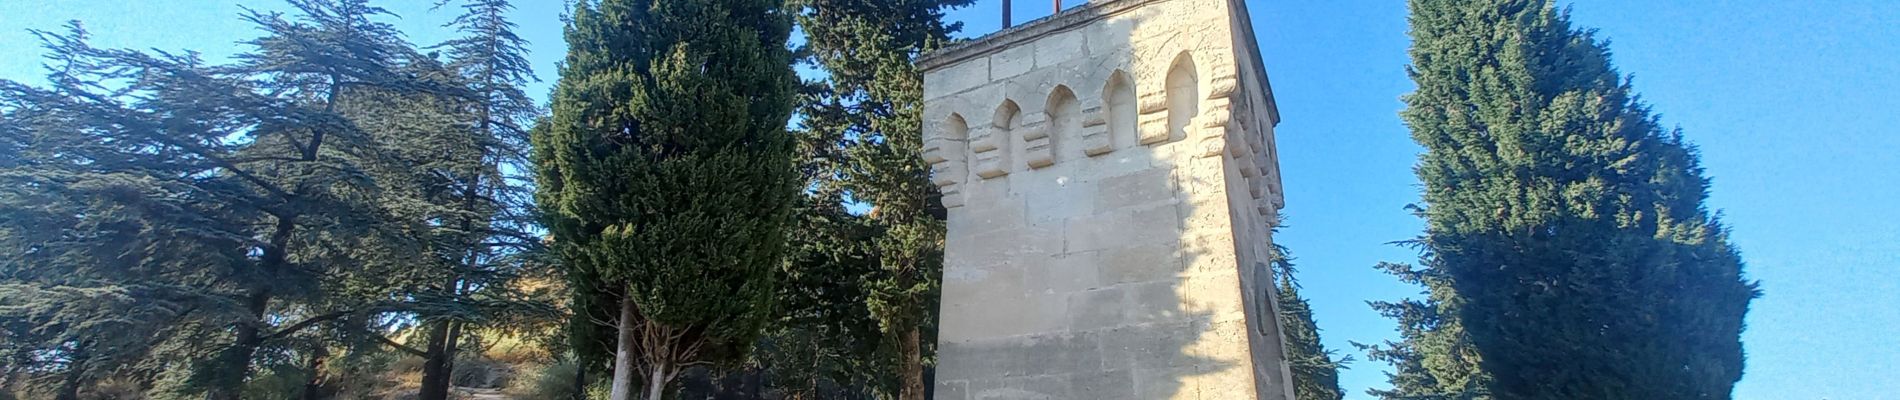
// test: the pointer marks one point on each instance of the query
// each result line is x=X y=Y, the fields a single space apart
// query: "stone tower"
x=1111 y=180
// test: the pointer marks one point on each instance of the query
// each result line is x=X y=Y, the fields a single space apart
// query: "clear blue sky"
x=1795 y=104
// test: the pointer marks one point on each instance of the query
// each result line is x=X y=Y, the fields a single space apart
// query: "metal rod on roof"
x=1005 y=14
x=1058 y=7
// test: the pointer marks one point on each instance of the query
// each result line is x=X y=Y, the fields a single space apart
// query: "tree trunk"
x=623 y=353
x=313 y=387
x=656 y=383
x=229 y=384
x=435 y=364
x=580 y=378
x=910 y=345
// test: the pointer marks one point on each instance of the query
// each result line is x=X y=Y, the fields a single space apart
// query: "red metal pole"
x=1058 y=6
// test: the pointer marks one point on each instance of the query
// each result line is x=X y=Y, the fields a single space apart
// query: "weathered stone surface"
x=1050 y=203
x=1135 y=264
x=1012 y=62
x=1062 y=274
x=1123 y=227
x=1097 y=308
x=1096 y=140
x=1147 y=188
x=1098 y=232
x=957 y=78
x=952 y=390
x=1053 y=50
x=1154 y=127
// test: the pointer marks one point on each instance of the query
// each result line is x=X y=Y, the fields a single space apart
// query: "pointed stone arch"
x=946 y=151
x=1183 y=91
x=1121 y=115
x=990 y=149
x=1063 y=111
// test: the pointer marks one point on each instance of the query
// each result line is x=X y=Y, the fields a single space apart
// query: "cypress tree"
x=872 y=98
x=1566 y=237
x=665 y=175
x=1433 y=358
x=825 y=343
x=1315 y=372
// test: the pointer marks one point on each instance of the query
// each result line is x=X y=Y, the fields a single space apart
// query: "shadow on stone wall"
x=1141 y=298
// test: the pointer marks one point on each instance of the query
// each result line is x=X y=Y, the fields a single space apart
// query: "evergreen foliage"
x=665 y=175
x=259 y=219
x=825 y=343
x=1433 y=358
x=1315 y=372
x=1568 y=253
x=871 y=100
x=484 y=232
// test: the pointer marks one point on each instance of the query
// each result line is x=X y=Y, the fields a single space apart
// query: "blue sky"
x=1792 y=102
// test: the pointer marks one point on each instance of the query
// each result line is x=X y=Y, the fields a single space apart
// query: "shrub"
x=549 y=381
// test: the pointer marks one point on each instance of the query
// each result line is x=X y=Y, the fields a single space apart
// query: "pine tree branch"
x=306 y=323
x=200 y=151
x=385 y=340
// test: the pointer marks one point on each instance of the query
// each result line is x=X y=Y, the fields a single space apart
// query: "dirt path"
x=480 y=394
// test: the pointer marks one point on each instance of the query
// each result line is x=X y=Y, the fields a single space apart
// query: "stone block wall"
x=1110 y=178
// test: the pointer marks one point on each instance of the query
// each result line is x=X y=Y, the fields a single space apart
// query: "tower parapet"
x=1111 y=181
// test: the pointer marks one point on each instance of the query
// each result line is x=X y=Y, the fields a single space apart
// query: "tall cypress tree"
x=872 y=99
x=1433 y=358
x=1315 y=372
x=666 y=175
x=1566 y=233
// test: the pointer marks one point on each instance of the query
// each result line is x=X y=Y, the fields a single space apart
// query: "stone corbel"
x=1239 y=129
x=1274 y=192
x=1151 y=88
x=992 y=164
x=989 y=159
x=946 y=156
x=984 y=138
x=1093 y=112
x=1153 y=127
x=1095 y=137
x=1214 y=126
x=1152 y=99
x=952 y=196
x=1262 y=166
x=1223 y=75
x=1248 y=167
x=1257 y=138
x=1256 y=132
x=1224 y=84
x=934 y=150
x=1038 y=146
x=946 y=173
x=1269 y=212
